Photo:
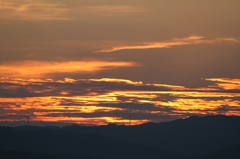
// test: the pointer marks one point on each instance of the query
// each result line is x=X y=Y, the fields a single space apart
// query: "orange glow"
x=101 y=107
x=38 y=69
x=97 y=98
x=174 y=87
x=90 y=121
x=191 y=40
x=226 y=83
x=118 y=81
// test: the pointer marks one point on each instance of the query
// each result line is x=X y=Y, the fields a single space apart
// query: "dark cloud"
x=139 y=107
x=78 y=88
x=13 y=117
x=227 y=108
x=18 y=92
x=85 y=87
x=125 y=115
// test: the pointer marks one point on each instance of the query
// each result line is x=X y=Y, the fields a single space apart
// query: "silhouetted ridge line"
x=191 y=136
x=65 y=143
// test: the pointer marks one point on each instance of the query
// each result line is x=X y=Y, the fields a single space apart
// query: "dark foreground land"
x=211 y=137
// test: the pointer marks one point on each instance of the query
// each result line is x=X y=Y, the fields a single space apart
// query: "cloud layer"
x=101 y=101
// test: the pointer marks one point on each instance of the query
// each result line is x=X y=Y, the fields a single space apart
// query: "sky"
x=95 y=62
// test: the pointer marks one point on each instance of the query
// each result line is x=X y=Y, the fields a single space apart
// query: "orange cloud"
x=100 y=101
x=118 y=81
x=191 y=40
x=36 y=69
x=226 y=83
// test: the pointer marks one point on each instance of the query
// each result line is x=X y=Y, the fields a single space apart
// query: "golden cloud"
x=58 y=102
x=191 y=40
x=36 y=69
x=226 y=83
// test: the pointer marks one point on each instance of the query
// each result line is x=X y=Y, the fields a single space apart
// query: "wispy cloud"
x=39 y=10
x=110 y=10
x=36 y=69
x=32 y=10
x=226 y=83
x=191 y=40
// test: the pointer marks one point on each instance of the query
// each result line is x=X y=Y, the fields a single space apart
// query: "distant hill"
x=194 y=136
x=64 y=143
x=232 y=152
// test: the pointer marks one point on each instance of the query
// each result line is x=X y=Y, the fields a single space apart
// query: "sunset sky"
x=96 y=62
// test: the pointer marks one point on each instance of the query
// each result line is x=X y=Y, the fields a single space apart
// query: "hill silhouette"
x=193 y=138
x=64 y=143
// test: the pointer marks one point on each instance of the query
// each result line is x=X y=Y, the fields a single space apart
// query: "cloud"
x=121 y=115
x=16 y=87
x=42 y=10
x=32 y=10
x=191 y=40
x=35 y=69
x=110 y=10
x=100 y=101
x=226 y=83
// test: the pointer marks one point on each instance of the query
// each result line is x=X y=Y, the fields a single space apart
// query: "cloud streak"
x=44 y=10
x=32 y=10
x=37 y=69
x=191 y=40
x=108 y=10
x=226 y=83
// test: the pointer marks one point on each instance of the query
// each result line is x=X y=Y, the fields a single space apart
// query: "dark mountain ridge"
x=195 y=136
x=65 y=143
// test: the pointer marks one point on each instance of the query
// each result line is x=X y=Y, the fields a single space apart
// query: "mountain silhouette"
x=193 y=138
x=64 y=143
